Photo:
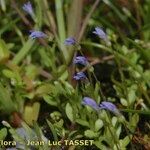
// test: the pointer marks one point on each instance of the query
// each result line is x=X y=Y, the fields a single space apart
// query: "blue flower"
x=28 y=8
x=70 y=41
x=109 y=106
x=79 y=76
x=101 y=34
x=90 y=102
x=37 y=34
x=104 y=105
x=80 y=60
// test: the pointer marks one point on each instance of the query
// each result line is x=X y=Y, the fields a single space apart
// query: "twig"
x=96 y=61
x=45 y=74
x=85 y=22
x=50 y=18
x=22 y=16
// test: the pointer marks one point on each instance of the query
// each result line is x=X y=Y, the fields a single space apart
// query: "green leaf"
x=124 y=142
x=23 y=51
x=34 y=110
x=114 y=121
x=147 y=76
x=8 y=73
x=118 y=131
x=132 y=94
x=123 y=102
x=14 y=75
x=133 y=122
x=82 y=122
x=32 y=71
x=98 y=124
x=96 y=91
x=3 y=5
x=59 y=124
x=135 y=119
x=64 y=76
x=51 y=101
x=6 y=103
x=3 y=133
x=53 y=130
x=45 y=89
x=4 y=52
x=100 y=145
x=91 y=134
x=69 y=112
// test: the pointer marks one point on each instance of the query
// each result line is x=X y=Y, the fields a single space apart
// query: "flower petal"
x=109 y=106
x=80 y=60
x=70 y=41
x=90 y=102
x=28 y=8
x=37 y=34
x=79 y=76
x=101 y=34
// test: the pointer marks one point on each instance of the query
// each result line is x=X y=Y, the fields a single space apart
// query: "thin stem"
x=85 y=22
x=89 y=66
x=50 y=18
x=97 y=61
x=84 y=25
x=22 y=16
x=143 y=112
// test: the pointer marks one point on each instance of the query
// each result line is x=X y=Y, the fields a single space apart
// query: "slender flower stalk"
x=70 y=41
x=80 y=60
x=79 y=76
x=37 y=34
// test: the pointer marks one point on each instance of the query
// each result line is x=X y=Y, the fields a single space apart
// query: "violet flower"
x=104 y=105
x=80 y=60
x=37 y=34
x=79 y=76
x=90 y=102
x=28 y=8
x=70 y=41
x=100 y=33
x=110 y=107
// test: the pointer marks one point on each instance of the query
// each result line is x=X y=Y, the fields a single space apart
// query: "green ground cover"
x=75 y=75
